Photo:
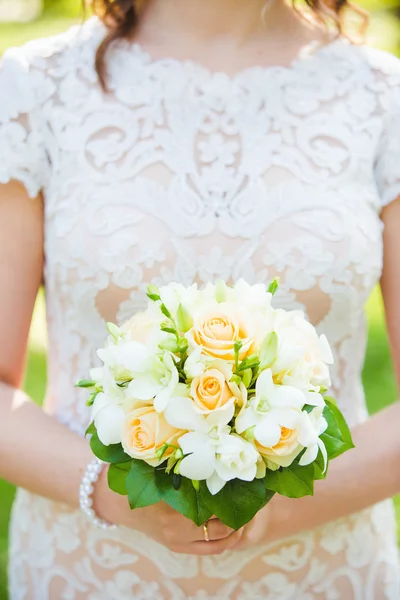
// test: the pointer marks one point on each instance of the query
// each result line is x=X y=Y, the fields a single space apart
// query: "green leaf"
x=91 y=429
x=141 y=485
x=184 y=319
x=153 y=292
x=337 y=437
x=186 y=500
x=340 y=420
x=117 y=477
x=274 y=286
x=170 y=344
x=236 y=379
x=268 y=350
x=319 y=467
x=238 y=501
x=85 y=383
x=110 y=454
x=294 y=481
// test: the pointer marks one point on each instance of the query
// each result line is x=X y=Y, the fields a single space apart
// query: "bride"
x=194 y=140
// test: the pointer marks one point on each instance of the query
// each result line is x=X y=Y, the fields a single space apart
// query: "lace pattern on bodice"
x=181 y=174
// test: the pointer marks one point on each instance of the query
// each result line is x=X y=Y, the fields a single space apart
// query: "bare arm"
x=36 y=452
x=369 y=473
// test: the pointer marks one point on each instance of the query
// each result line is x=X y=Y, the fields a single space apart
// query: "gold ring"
x=205 y=530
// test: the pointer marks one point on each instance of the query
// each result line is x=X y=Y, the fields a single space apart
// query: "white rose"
x=217 y=457
x=235 y=459
x=303 y=356
x=145 y=328
x=126 y=358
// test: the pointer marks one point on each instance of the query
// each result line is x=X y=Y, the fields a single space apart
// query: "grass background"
x=378 y=373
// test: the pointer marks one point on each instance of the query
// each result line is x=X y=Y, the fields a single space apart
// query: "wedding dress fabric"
x=182 y=174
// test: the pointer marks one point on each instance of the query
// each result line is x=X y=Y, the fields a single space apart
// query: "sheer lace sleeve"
x=387 y=166
x=22 y=153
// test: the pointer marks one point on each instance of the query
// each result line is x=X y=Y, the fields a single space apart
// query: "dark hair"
x=121 y=18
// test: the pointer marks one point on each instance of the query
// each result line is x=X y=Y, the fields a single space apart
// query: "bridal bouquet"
x=213 y=401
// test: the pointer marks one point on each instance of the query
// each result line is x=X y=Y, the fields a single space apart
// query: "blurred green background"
x=379 y=380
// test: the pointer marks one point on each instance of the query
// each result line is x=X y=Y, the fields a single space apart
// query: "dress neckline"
x=312 y=50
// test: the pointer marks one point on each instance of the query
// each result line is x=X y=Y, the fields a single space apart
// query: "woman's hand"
x=164 y=524
x=258 y=530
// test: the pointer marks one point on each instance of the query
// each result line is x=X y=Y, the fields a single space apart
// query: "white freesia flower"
x=279 y=426
x=196 y=363
x=159 y=381
x=213 y=453
x=174 y=294
x=108 y=418
x=104 y=378
x=273 y=407
x=311 y=426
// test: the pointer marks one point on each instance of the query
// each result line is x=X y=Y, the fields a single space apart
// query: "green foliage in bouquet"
x=239 y=500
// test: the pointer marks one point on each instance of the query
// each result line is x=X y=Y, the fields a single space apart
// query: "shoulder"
x=51 y=58
x=373 y=65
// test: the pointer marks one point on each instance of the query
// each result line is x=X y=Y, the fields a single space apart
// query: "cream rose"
x=217 y=330
x=144 y=326
x=145 y=432
x=210 y=390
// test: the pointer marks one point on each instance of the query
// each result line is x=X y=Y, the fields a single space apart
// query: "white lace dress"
x=181 y=174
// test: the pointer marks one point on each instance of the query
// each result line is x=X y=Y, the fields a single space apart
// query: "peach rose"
x=216 y=331
x=285 y=451
x=210 y=390
x=145 y=432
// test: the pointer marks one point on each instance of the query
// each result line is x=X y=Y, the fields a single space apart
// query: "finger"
x=216 y=547
x=217 y=530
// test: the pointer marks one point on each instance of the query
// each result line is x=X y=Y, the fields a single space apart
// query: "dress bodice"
x=182 y=174
x=178 y=173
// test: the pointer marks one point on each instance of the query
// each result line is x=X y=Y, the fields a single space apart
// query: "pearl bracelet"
x=91 y=475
